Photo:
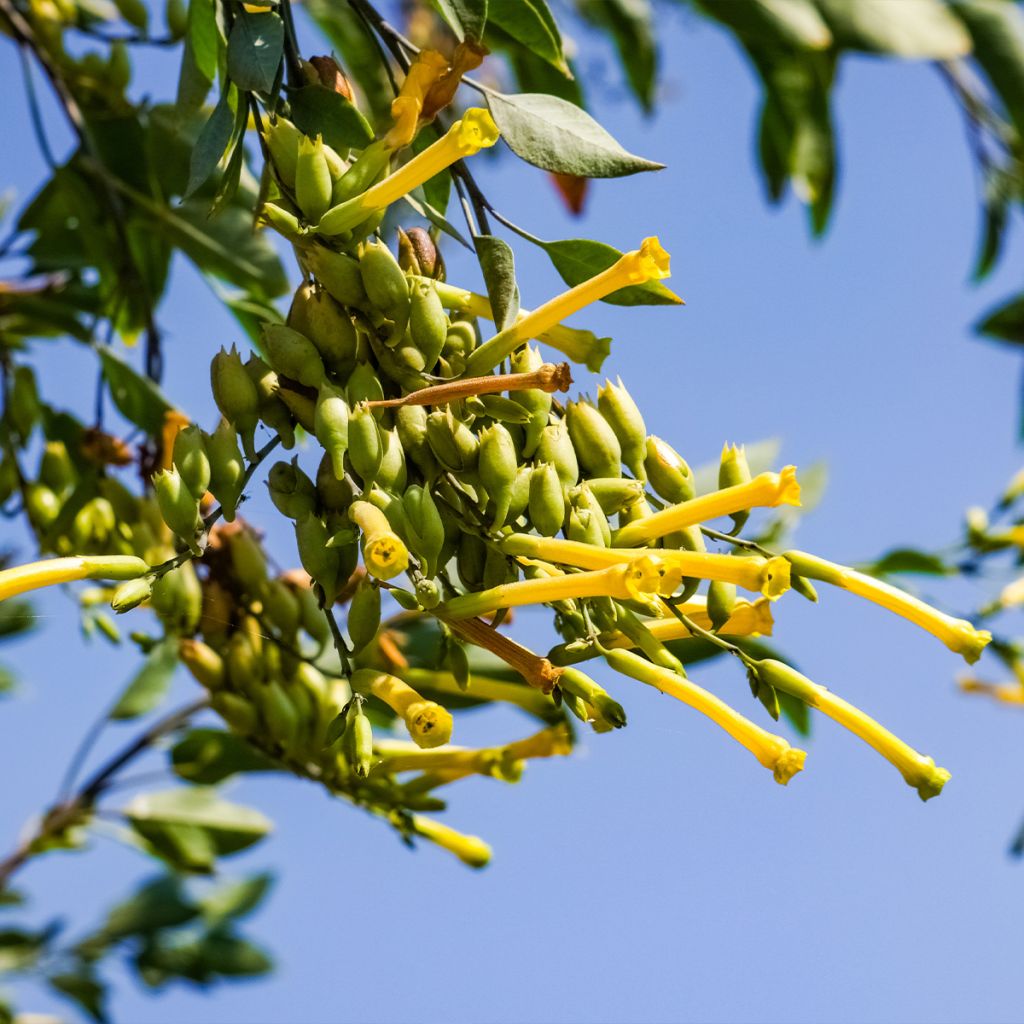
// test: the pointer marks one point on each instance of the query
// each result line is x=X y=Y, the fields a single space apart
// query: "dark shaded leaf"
x=466 y=18
x=85 y=990
x=531 y=24
x=151 y=683
x=212 y=142
x=137 y=398
x=201 y=54
x=997 y=29
x=579 y=259
x=901 y=560
x=16 y=617
x=255 y=47
x=19 y=950
x=315 y=109
x=229 y=956
x=773 y=22
x=233 y=900
x=1005 y=323
x=630 y=23
x=557 y=136
x=925 y=29
x=208 y=756
x=498 y=265
x=159 y=903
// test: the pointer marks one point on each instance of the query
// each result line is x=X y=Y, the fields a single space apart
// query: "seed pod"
x=339 y=274
x=392 y=475
x=733 y=470
x=498 y=464
x=131 y=594
x=365 y=445
x=180 y=511
x=333 y=494
x=273 y=411
x=721 y=601
x=318 y=317
x=428 y=323
x=536 y=402
x=597 y=447
x=237 y=712
x=426 y=523
x=614 y=494
x=417 y=254
x=177 y=598
x=320 y=561
x=364 y=614
x=248 y=563
x=205 y=664
x=293 y=355
x=357 y=740
x=291 y=491
x=235 y=394
x=573 y=681
x=547 y=503
x=411 y=424
x=471 y=560
x=313 y=182
x=331 y=423
x=667 y=471
x=191 y=461
x=385 y=282
x=283 y=140
x=624 y=417
x=227 y=468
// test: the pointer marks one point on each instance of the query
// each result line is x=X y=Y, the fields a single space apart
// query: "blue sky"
x=660 y=874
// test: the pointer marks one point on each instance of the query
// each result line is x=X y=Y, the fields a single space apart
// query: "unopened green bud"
x=279 y=713
x=428 y=594
x=333 y=494
x=293 y=355
x=301 y=407
x=320 y=561
x=42 y=505
x=547 y=503
x=411 y=424
x=227 y=468
x=331 y=422
x=456 y=661
x=364 y=384
x=318 y=317
x=596 y=444
x=291 y=491
x=667 y=472
x=733 y=470
x=536 y=402
x=191 y=460
x=177 y=598
x=339 y=274
x=313 y=182
x=281 y=607
x=237 y=712
x=385 y=282
x=357 y=740
x=283 y=142
x=471 y=560
x=582 y=500
x=180 y=511
x=498 y=463
x=460 y=339
x=572 y=680
x=428 y=323
x=364 y=614
x=721 y=601
x=205 y=664
x=235 y=393
x=557 y=448
x=803 y=587
x=365 y=444
x=248 y=562
x=55 y=467
x=642 y=638
x=615 y=493
x=452 y=442
x=283 y=221
x=425 y=521
x=624 y=417
x=131 y=594
x=392 y=475
x=520 y=495
x=23 y=408
x=273 y=411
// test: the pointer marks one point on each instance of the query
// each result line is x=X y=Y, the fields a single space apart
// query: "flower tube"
x=384 y=552
x=959 y=635
x=407 y=107
x=50 y=571
x=648 y=263
x=767 y=490
x=471 y=850
x=748 y=618
x=474 y=131
x=772 y=751
x=429 y=724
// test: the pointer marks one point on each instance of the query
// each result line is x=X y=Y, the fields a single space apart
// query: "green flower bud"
x=293 y=355
x=497 y=569
x=624 y=417
x=667 y=472
x=454 y=444
x=365 y=444
x=456 y=661
x=557 y=448
x=580 y=685
x=803 y=587
x=323 y=563
x=313 y=182
x=583 y=527
x=498 y=463
x=205 y=664
x=536 y=402
x=291 y=491
x=227 y=468
x=357 y=740
x=312 y=618
x=364 y=614
x=582 y=500
x=427 y=525
x=733 y=470
x=191 y=460
x=318 y=317
x=418 y=254
x=180 y=511
x=392 y=475
x=93 y=525
x=55 y=467
x=385 y=282
x=177 y=598
x=642 y=638
x=248 y=562
x=131 y=594
x=520 y=494
x=279 y=713
x=721 y=601
x=237 y=712
x=614 y=493
x=470 y=561
x=283 y=221
x=596 y=444
x=547 y=503
x=283 y=142
x=301 y=407
x=339 y=274
x=23 y=408
x=273 y=411
x=333 y=494
x=331 y=423
x=235 y=394
x=460 y=339
x=428 y=323
x=281 y=607
x=411 y=424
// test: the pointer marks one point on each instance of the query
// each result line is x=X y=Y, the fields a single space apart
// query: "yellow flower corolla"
x=769 y=576
x=406 y=108
x=959 y=635
x=471 y=850
x=474 y=131
x=637 y=580
x=918 y=771
x=648 y=263
x=50 y=571
x=384 y=552
x=772 y=751
x=429 y=724
x=766 y=490
x=748 y=618
x=1005 y=693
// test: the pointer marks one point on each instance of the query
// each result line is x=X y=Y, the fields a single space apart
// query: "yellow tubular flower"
x=918 y=771
x=648 y=263
x=483 y=688
x=428 y=67
x=580 y=346
x=959 y=635
x=1005 y=693
x=471 y=850
x=637 y=580
x=429 y=724
x=748 y=618
x=1012 y=595
x=769 y=576
x=50 y=571
x=384 y=552
x=474 y=131
x=772 y=751
x=767 y=490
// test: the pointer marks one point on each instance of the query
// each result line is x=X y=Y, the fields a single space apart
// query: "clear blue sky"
x=660 y=874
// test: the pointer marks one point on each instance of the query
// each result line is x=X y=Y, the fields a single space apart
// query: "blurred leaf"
x=250 y=312
x=531 y=24
x=579 y=259
x=150 y=684
x=137 y=398
x=925 y=29
x=159 y=903
x=630 y=24
x=208 y=756
x=19 y=949
x=535 y=75
x=901 y=560
x=466 y=18
x=85 y=990
x=498 y=266
x=783 y=22
x=235 y=899
x=1005 y=323
x=795 y=711
x=16 y=617
x=255 y=47
x=212 y=142
x=996 y=209
x=557 y=136
x=315 y=109
x=233 y=957
x=201 y=55
x=8 y=682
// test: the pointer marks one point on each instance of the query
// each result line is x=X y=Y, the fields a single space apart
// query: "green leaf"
x=579 y=259
x=213 y=141
x=531 y=24
x=924 y=29
x=235 y=899
x=436 y=190
x=630 y=23
x=85 y=990
x=427 y=212
x=255 y=47
x=768 y=22
x=208 y=756
x=318 y=110
x=557 y=136
x=498 y=265
x=1006 y=322
x=151 y=683
x=159 y=903
x=201 y=55
x=795 y=711
x=137 y=398
x=229 y=956
x=466 y=18
x=535 y=75
x=16 y=617
x=909 y=560
x=19 y=949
